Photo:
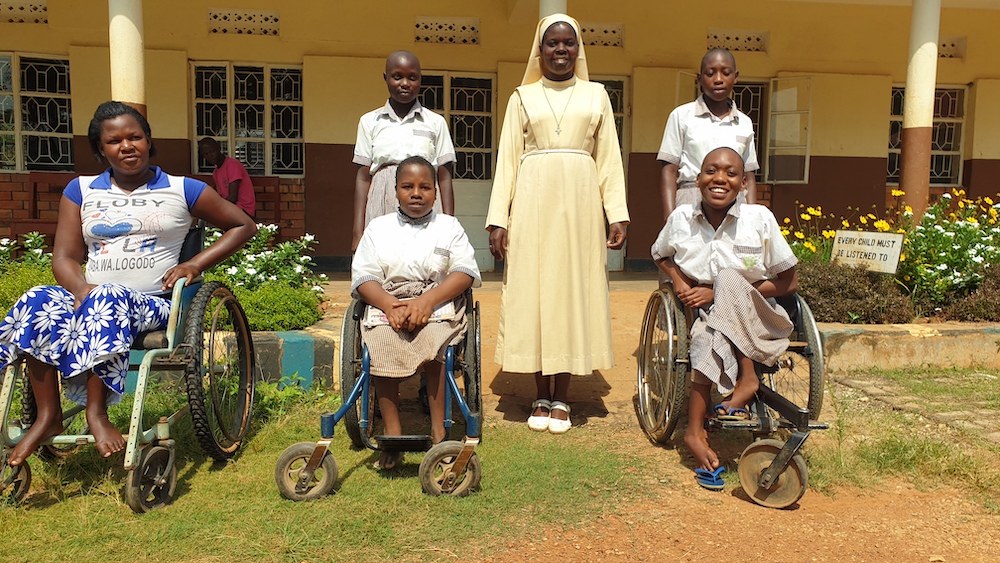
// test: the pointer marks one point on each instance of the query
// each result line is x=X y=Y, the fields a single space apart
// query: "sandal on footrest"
x=711 y=480
x=540 y=423
x=559 y=426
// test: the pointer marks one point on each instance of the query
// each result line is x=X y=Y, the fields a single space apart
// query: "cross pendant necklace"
x=559 y=118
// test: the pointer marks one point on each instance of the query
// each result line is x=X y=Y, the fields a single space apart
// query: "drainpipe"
x=549 y=7
x=126 y=42
x=918 y=105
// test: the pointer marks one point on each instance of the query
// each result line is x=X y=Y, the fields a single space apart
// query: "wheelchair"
x=307 y=470
x=208 y=341
x=789 y=399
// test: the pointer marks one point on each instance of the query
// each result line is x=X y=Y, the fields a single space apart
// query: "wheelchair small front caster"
x=151 y=485
x=289 y=468
x=14 y=481
x=437 y=477
x=786 y=490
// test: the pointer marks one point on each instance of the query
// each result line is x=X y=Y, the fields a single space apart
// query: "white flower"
x=298 y=269
x=317 y=289
x=942 y=267
x=273 y=278
x=251 y=271
x=37 y=251
x=232 y=270
x=4 y=241
x=308 y=237
x=322 y=276
x=977 y=259
x=305 y=258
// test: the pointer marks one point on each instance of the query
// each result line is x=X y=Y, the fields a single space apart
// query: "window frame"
x=231 y=140
x=774 y=114
x=447 y=113
x=18 y=132
x=960 y=152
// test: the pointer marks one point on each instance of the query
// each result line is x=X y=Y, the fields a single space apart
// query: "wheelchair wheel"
x=14 y=481
x=350 y=372
x=220 y=383
x=662 y=382
x=470 y=362
x=151 y=485
x=438 y=461
x=292 y=460
x=787 y=489
x=800 y=373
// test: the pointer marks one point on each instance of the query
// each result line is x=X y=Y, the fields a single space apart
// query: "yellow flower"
x=988 y=200
x=881 y=225
x=864 y=220
x=799 y=235
x=901 y=230
x=805 y=216
x=810 y=246
x=829 y=233
x=813 y=211
x=787 y=220
x=908 y=209
x=845 y=223
x=961 y=204
x=973 y=220
x=902 y=258
x=784 y=232
x=907 y=278
x=872 y=216
x=898 y=193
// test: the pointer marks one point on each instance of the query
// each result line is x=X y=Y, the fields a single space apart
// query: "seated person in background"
x=407 y=265
x=727 y=260
x=230 y=176
x=127 y=225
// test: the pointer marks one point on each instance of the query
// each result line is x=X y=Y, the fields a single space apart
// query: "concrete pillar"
x=918 y=104
x=127 y=46
x=549 y=7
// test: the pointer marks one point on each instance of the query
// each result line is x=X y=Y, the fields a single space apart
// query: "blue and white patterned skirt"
x=97 y=336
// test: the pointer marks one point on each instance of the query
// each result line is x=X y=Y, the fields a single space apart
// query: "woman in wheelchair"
x=413 y=266
x=127 y=226
x=727 y=260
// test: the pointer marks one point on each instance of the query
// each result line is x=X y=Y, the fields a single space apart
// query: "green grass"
x=234 y=511
x=955 y=389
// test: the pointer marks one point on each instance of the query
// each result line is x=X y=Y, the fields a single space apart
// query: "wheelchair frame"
x=307 y=470
x=771 y=471
x=150 y=453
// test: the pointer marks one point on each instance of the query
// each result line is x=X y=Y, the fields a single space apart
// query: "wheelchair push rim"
x=662 y=371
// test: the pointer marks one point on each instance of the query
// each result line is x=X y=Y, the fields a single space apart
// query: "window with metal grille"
x=467 y=103
x=255 y=112
x=36 y=118
x=615 y=88
x=946 y=135
x=751 y=99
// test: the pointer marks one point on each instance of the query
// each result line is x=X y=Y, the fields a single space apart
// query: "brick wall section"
x=14 y=202
x=293 y=208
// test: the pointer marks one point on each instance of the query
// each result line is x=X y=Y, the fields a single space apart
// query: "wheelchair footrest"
x=813 y=425
x=749 y=424
x=417 y=443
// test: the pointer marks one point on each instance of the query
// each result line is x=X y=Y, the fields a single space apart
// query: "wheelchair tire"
x=15 y=482
x=151 y=485
x=471 y=362
x=350 y=371
x=786 y=490
x=292 y=460
x=438 y=460
x=662 y=366
x=800 y=374
x=220 y=381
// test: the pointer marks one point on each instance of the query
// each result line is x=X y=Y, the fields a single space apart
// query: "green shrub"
x=18 y=277
x=277 y=306
x=843 y=294
x=983 y=305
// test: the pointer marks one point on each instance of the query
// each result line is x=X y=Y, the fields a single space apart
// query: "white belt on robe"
x=549 y=151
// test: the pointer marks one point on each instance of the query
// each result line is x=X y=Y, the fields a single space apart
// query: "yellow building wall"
x=333 y=102
x=850 y=115
x=983 y=124
x=90 y=84
x=168 y=98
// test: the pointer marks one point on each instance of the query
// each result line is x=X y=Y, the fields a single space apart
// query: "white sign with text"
x=877 y=252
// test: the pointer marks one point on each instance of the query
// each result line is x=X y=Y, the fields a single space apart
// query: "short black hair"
x=717 y=51
x=208 y=141
x=415 y=161
x=730 y=149
x=111 y=110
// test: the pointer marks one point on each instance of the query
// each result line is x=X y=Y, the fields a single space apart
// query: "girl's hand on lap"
x=699 y=296
x=397 y=315
x=81 y=294
x=420 y=310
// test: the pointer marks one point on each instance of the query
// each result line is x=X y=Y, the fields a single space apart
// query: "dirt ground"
x=683 y=522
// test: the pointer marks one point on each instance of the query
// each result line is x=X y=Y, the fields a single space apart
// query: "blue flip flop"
x=731 y=413
x=711 y=480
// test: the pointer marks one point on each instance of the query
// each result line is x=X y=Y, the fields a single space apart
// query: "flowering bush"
x=943 y=257
x=34 y=251
x=262 y=261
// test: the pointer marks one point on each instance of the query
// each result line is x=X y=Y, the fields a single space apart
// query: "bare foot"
x=387 y=460
x=109 y=440
x=36 y=434
x=696 y=440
